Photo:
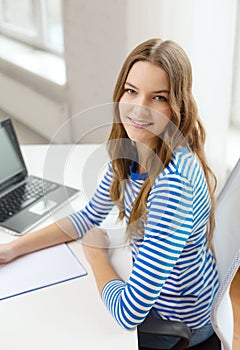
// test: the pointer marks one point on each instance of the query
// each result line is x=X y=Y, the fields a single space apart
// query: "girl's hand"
x=95 y=244
x=6 y=253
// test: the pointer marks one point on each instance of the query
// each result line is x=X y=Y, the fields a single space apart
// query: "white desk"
x=71 y=315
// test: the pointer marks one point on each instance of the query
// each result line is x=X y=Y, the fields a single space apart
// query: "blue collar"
x=134 y=175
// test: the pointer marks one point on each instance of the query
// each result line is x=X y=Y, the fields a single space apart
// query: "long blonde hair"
x=184 y=116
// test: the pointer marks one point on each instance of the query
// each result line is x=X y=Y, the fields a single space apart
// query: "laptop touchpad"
x=42 y=207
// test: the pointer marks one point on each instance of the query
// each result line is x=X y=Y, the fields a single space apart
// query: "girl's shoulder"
x=183 y=165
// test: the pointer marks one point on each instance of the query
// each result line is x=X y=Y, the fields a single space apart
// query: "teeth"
x=139 y=123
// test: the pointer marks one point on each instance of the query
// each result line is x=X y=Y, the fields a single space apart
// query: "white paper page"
x=38 y=270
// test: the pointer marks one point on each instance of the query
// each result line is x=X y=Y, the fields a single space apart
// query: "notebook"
x=25 y=200
x=38 y=270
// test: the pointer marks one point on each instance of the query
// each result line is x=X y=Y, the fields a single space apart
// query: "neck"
x=144 y=154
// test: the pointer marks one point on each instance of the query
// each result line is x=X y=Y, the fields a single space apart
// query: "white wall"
x=235 y=108
x=205 y=29
x=95 y=40
x=166 y=19
x=212 y=56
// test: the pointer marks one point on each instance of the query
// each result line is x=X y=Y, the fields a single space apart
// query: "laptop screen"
x=11 y=162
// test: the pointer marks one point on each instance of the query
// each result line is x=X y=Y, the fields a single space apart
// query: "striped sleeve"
x=97 y=208
x=169 y=224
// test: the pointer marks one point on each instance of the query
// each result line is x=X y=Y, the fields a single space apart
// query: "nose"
x=140 y=109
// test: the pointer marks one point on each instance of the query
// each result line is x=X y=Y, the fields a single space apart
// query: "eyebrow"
x=154 y=92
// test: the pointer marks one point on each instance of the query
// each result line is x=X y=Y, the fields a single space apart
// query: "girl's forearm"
x=56 y=233
x=103 y=271
x=95 y=247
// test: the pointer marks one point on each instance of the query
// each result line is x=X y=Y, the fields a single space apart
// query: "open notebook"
x=38 y=270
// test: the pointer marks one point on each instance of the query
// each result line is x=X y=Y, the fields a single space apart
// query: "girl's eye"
x=129 y=91
x=160 y=98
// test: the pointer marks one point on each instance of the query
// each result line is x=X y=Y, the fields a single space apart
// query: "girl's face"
x=144 y=107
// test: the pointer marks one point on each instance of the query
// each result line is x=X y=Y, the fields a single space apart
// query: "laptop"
x=25 y=200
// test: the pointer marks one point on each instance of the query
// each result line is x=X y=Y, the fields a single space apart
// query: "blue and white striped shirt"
x=174 y=270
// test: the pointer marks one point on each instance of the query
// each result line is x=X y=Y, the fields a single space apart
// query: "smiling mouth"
x=139 y=123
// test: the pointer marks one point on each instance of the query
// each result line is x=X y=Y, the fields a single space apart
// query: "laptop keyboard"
x=23 y=196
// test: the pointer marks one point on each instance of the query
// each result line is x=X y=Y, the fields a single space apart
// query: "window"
x=35 y=22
